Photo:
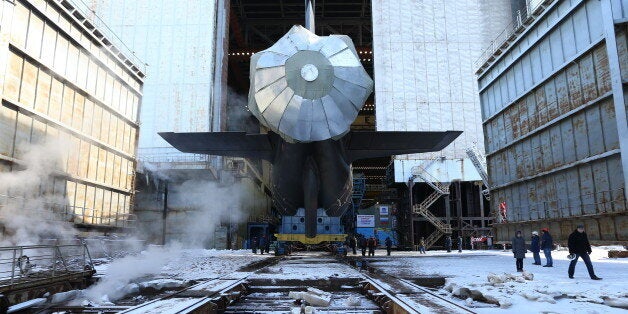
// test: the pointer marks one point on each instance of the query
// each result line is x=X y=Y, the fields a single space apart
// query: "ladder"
x=422 y=208
x=479 y=162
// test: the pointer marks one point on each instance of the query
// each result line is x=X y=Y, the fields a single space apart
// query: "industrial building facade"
x=63 y=79
x=554 y=118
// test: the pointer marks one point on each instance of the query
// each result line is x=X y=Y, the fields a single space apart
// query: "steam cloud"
x=27 y=198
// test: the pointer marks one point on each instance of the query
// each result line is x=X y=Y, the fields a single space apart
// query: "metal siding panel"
x=617 y=185
x=602 y=187
x=557 y=147
x=568 y=39
x=537 y=71
x=562 y=93
x=575 y=89
x=586 y=188
x=594 y=128
x=573 y=196
x=556 y=47
x=580 y=136
x=518 y=72
x=513 y=162
x=569 y=147
x=581 y=30
x=622 y=51
x=512 y=90
x=523 y=117
x=537 y=155
x=546 y=150
x=541 y=105
x=587 y=78
x=527 y=72
x=602 y=72
x=533 y=116
x=562 y=193
x=546 y=60
x=594 y=16
x=528 y=157
x=532 y=197
x=609 y=125
x=552 y=101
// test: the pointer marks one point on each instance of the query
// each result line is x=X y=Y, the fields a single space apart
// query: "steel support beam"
x=616 y=85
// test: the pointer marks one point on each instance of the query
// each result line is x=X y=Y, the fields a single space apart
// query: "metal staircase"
x=440 y=189
x=479 y=162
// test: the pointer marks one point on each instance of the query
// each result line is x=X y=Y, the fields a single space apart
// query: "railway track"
x=263 y=287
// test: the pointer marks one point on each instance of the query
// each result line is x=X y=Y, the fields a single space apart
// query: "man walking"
x=547 y=243
x=535 y=248
x=578 y=243
x=388 y=243
x=422 y=245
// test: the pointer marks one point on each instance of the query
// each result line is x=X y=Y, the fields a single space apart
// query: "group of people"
x=578 y=243
x=262 y=243
x=370 y=243
x=449 y=243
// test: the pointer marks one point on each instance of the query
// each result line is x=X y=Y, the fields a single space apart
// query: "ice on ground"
x=489 y=276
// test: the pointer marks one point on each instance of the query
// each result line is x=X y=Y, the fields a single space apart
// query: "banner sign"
x=383 y=210
x=365 y=221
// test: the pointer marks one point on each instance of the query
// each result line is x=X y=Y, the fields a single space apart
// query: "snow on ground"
x=308 y=266
x=551 y=290
x=160 y=268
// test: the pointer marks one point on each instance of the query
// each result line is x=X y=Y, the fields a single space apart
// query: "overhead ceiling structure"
x=256 y=25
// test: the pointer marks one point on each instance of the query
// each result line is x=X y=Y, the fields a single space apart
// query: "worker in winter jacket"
x=262 y=244
x=448 y=244
x=459 y=244
x=422 y=245
x=578 y=243
x=547 y=244
x=535 y=248
x=519 y=250
x=388 y=243
x=362 y=243
x=371 y=243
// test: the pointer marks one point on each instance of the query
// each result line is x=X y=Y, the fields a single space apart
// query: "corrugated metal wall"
x=60 y=83
x=552 y=136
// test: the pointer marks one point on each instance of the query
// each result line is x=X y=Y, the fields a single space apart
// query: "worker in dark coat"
x=388 y=243
x=578 y=243
x=547 y=244
x=459 y=244
x=448 y=244
x=535 y=248
x=371 y=243
x=352 y=244
x=254 y=245
x=519 y=250
x=363 y=245
x=262 y=244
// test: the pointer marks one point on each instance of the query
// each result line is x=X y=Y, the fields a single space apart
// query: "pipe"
x=309 y=15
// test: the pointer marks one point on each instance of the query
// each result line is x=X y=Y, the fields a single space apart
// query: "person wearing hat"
x=578 y=243
x=547 y=244
x=535 y=248
x=519 y=250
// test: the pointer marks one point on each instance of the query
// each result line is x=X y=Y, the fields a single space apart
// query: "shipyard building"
x=552 y=92
x=67 y=79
